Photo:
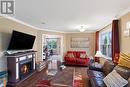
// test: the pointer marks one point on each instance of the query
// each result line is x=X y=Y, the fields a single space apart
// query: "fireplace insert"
x=25 y=68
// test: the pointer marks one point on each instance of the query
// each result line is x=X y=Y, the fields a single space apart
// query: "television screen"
x=21 y=41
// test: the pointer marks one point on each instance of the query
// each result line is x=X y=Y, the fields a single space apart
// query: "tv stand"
x=18 y=51
x=16 y=63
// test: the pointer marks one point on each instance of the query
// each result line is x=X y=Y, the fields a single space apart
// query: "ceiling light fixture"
x=42 y=22
x=82 y=29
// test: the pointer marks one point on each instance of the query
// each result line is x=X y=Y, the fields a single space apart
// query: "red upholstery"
x=76 y=60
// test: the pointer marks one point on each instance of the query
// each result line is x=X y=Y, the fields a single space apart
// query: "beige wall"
x=6 y=27
x=91 y=36
x=124 y=41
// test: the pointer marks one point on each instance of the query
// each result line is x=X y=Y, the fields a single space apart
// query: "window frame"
x=103 y=32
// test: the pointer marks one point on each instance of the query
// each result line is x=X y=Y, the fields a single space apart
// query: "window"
x=105 y=43
x=52 y=43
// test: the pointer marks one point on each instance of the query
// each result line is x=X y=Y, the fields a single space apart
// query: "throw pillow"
x=113 y=79
x=124 y=60
x=82 y=55
x=70 y=55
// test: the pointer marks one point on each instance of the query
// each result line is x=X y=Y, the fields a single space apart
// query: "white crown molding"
x=81 y=32
x=123 y=12
x=26 y=24
x=118 y=16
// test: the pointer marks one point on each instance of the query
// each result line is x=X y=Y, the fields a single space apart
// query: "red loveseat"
x=76 y=58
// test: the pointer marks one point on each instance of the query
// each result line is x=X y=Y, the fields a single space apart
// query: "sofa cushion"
x=123 y=71
x=70 y=55
x=97 y=82
x=76 y=53
x=96 y=74
x=83 y=55
x=108 y=67
x=113 y=79
x=80 y=60
x=124 y=60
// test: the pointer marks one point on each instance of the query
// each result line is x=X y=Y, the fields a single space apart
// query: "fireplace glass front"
x=26 y=68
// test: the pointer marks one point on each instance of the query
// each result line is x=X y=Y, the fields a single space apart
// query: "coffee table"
x=63 y=78
x=71 y=77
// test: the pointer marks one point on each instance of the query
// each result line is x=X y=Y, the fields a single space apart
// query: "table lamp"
x=97 y=55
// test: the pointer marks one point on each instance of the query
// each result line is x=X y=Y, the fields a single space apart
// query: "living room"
x=69 y=28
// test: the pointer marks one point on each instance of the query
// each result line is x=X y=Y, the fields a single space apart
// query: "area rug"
x=43 y=83
x=80 y=77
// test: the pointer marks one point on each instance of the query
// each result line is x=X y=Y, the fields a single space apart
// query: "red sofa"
x=76 y=58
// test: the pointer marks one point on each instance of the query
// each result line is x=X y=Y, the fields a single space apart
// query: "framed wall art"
x=82 y=42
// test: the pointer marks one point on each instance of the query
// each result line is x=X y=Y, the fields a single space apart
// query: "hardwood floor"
x=32 y=80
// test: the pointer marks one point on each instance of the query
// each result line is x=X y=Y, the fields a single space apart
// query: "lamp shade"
x=98 y=54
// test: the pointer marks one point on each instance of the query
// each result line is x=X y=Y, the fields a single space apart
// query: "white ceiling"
x=68 y=15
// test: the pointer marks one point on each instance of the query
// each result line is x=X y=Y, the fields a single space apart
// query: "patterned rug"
x=80 y=77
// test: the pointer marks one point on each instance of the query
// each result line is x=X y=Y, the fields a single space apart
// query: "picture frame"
x=126 y=33
x=82 y=42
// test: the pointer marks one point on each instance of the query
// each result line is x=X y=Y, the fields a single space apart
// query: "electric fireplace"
x=25 y=68
x=20 y=66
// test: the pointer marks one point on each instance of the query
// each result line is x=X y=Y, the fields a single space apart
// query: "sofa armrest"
x=66 y=55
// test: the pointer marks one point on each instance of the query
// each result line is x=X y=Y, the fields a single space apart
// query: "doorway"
x=53 y=45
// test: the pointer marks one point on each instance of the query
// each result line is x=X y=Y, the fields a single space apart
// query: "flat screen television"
x=21 y=41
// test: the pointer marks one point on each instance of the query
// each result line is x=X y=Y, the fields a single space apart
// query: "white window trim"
x=101 y=32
